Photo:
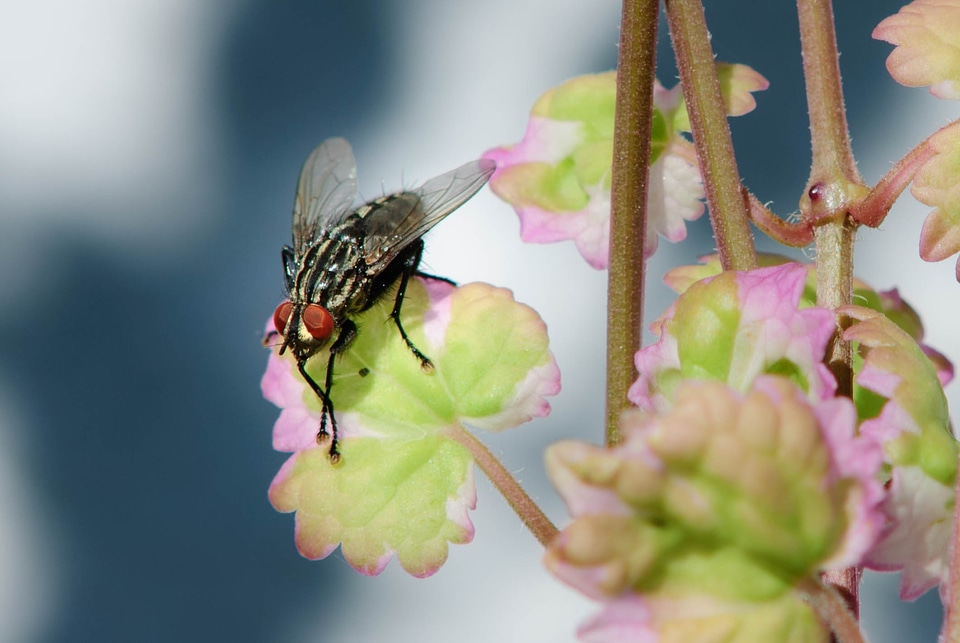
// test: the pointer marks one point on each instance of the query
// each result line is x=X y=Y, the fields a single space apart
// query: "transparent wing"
x=407 y=217
x=326 y=190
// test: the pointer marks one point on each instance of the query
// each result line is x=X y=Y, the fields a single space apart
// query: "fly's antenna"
x=270 y=340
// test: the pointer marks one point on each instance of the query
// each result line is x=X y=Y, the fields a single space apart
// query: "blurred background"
x=148 y=156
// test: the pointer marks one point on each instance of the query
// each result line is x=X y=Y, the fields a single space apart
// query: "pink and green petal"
x=899 y=312
x=737 y=84
x=682 y=277
x=387 y=497
x=541 y=171
x=676 y=194
x=296 y=428
x=732 y=328
x=917 y=540
x=774 y=328
x=915 y=415
x=558 y=177
x=492 y=364
x=679 y=279
x=921 y=452
x=495 y=362
x=903 y=315
x=559 y=185
x=728 y=500
x=936 y=185
x=927 y=46
x=889 y=302
x=625 y=620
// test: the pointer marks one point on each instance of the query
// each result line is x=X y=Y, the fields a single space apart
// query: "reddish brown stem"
x=631 y=159
x=711 y=134
x=830 y=138
x=524 y=506
x=795 y=235
x=874 y=208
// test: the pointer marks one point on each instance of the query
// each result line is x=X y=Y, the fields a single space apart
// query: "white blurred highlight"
x=28 y=560
x=107 y=127
x=106 y=133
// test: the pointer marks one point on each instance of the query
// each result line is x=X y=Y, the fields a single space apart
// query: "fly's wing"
x=407 y=216
x=325 y=192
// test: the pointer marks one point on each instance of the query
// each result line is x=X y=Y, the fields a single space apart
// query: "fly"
x=344 y=259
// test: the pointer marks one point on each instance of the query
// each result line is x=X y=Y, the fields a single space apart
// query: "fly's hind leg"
x=410 y=261
x=427 y=275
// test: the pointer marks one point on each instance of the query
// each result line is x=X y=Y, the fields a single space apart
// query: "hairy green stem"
x=834 y=289
x=628 y=208
x=830 y=138
x=726 y=198
x=833 y=189
x=518 y=499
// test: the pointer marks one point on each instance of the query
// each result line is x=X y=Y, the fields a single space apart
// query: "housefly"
x=344 y=259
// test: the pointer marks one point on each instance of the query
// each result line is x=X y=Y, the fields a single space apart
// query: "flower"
x=898 y=393
x=558 y=177
x=732 y=328
x=927 y=46
x=708 y=517
x=909 y=418
x=936 y=185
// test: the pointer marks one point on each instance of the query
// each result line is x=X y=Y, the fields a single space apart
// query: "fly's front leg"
x=408 y=268
x=326 y=407
x=348 y=332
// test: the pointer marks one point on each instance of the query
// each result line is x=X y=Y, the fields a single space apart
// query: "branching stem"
x=832 y=190
x=874 y=208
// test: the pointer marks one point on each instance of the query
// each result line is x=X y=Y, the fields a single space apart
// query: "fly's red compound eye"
x=318 y=321
x=281 y=316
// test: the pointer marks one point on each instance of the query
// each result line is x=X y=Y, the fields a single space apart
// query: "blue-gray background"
x=148 y=155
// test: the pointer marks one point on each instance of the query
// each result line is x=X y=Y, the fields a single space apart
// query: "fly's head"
x=305 y=327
